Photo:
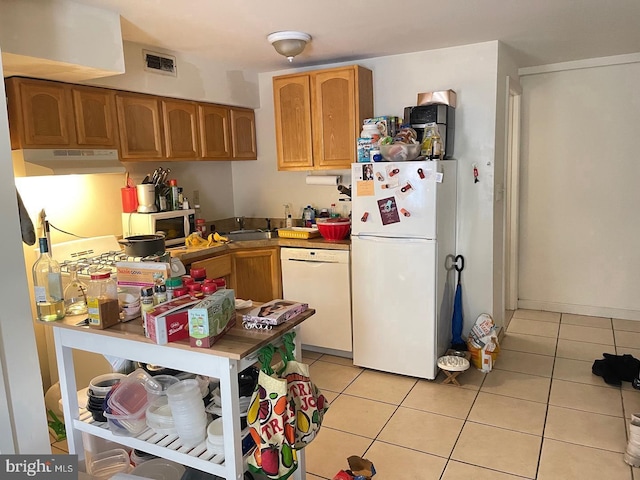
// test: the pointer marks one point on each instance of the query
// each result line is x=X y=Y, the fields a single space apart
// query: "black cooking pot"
x=143 y=245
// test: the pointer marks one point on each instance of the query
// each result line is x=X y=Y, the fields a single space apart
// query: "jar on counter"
x=370 y=130
x=201 y=227
x=180 y=292
x=171 y=284
x=146 y=305
x=159 y=294
x=195 y=290
x=102 y=300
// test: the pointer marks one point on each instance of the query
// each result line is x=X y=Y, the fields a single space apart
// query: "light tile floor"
x=540 y=414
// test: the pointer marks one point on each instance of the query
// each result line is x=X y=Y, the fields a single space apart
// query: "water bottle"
x=309 y=216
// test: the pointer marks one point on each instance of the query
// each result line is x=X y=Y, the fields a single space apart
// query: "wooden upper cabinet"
x=180 y=119
x=95 y=117
x=139 y=124
x=39 y=114
x=319 y=116
x=294 y=141
x=243 y=134
x=215 y=131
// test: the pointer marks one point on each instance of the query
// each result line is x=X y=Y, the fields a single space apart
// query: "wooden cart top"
x=236 y=344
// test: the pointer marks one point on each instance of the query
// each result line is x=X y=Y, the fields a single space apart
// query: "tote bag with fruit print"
x=271 y=420
x=309 y=405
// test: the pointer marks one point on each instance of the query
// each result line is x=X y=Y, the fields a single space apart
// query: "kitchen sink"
x=243 y=235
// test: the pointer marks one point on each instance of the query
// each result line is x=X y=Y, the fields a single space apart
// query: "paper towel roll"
x=332 y=180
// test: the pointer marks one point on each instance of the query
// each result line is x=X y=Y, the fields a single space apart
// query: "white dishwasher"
x=320 y=278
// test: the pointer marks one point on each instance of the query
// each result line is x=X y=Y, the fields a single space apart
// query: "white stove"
x=101 y=253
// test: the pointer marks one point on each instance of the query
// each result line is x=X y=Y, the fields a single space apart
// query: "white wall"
x=59 y=40
x=579 y=204
x=197 y=79
x=260 y=190
x=18 y=355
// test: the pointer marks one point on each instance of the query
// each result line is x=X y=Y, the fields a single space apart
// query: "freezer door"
x=395 y=199
x=393 y=305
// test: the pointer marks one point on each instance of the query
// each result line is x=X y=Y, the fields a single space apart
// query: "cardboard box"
x=142 y=274
x=210 y=319
x=169 y=321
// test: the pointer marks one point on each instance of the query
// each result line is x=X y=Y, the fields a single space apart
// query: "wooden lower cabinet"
x=253 y=273
x=256 y=274
x=216 y=267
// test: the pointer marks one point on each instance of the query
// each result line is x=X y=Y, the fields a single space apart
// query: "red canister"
x=129 y=199
x=198 y=274
x=187 y=280
x=180 y=292
x=220 y=283
x=209 y=288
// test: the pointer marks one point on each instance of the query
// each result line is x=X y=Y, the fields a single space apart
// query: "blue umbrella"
x=456 y=322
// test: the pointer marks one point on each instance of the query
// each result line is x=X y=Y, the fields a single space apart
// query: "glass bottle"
x=75 y=294
x=47 y=285
x=432 y=143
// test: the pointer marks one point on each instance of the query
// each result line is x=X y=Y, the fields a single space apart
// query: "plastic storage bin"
x=106 y=464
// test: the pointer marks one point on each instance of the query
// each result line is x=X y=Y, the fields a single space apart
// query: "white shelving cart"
x=233 y=353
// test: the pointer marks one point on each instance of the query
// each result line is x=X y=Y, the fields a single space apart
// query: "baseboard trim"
x=593 y=311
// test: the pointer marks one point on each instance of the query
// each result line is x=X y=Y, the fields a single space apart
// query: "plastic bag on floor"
x=483 y=343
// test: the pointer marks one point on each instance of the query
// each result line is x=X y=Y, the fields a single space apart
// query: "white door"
x=395 y=199
x=393 y=302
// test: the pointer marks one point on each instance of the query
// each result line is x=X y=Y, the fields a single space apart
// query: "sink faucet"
x=268 y=224
x=240 y=222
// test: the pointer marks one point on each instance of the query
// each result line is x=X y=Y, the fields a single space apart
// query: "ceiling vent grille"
x=160 y=63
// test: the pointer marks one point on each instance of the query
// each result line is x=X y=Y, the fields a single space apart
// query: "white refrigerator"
x=403 y=241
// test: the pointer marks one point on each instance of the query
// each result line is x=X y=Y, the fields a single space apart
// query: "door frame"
x=512 y=193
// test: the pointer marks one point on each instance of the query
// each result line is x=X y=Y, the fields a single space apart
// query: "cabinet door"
x=180 y=129
x=334 y=118
x=256 y=274
x=215 y=131
x=243 y=134
x=139 y=126
x=292 y=104
x=216 y=267
x=39 y=114
x=95 y=117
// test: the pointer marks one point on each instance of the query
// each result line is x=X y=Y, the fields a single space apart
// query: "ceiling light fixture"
x=288 y=43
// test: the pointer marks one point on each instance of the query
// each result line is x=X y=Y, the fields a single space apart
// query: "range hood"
x=37 y=162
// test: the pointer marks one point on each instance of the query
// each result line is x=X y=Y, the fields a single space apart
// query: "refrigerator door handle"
x=378 y=238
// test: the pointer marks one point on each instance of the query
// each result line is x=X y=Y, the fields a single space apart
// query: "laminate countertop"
x=190 y=254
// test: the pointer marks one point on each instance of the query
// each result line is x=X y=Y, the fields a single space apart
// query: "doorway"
x=512 y=192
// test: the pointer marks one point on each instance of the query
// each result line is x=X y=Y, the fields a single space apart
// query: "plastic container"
x=126 y=425
x=159 y=417
x=108 y=463
x=130 y=398
x=138 y=457
x=159 y=386
x=160 y=468
x=400 y=152
x=370 y=130
x=101 y=385
x=215 y=437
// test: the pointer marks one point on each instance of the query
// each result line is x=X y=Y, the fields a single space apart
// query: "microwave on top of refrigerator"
x=176 y=225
